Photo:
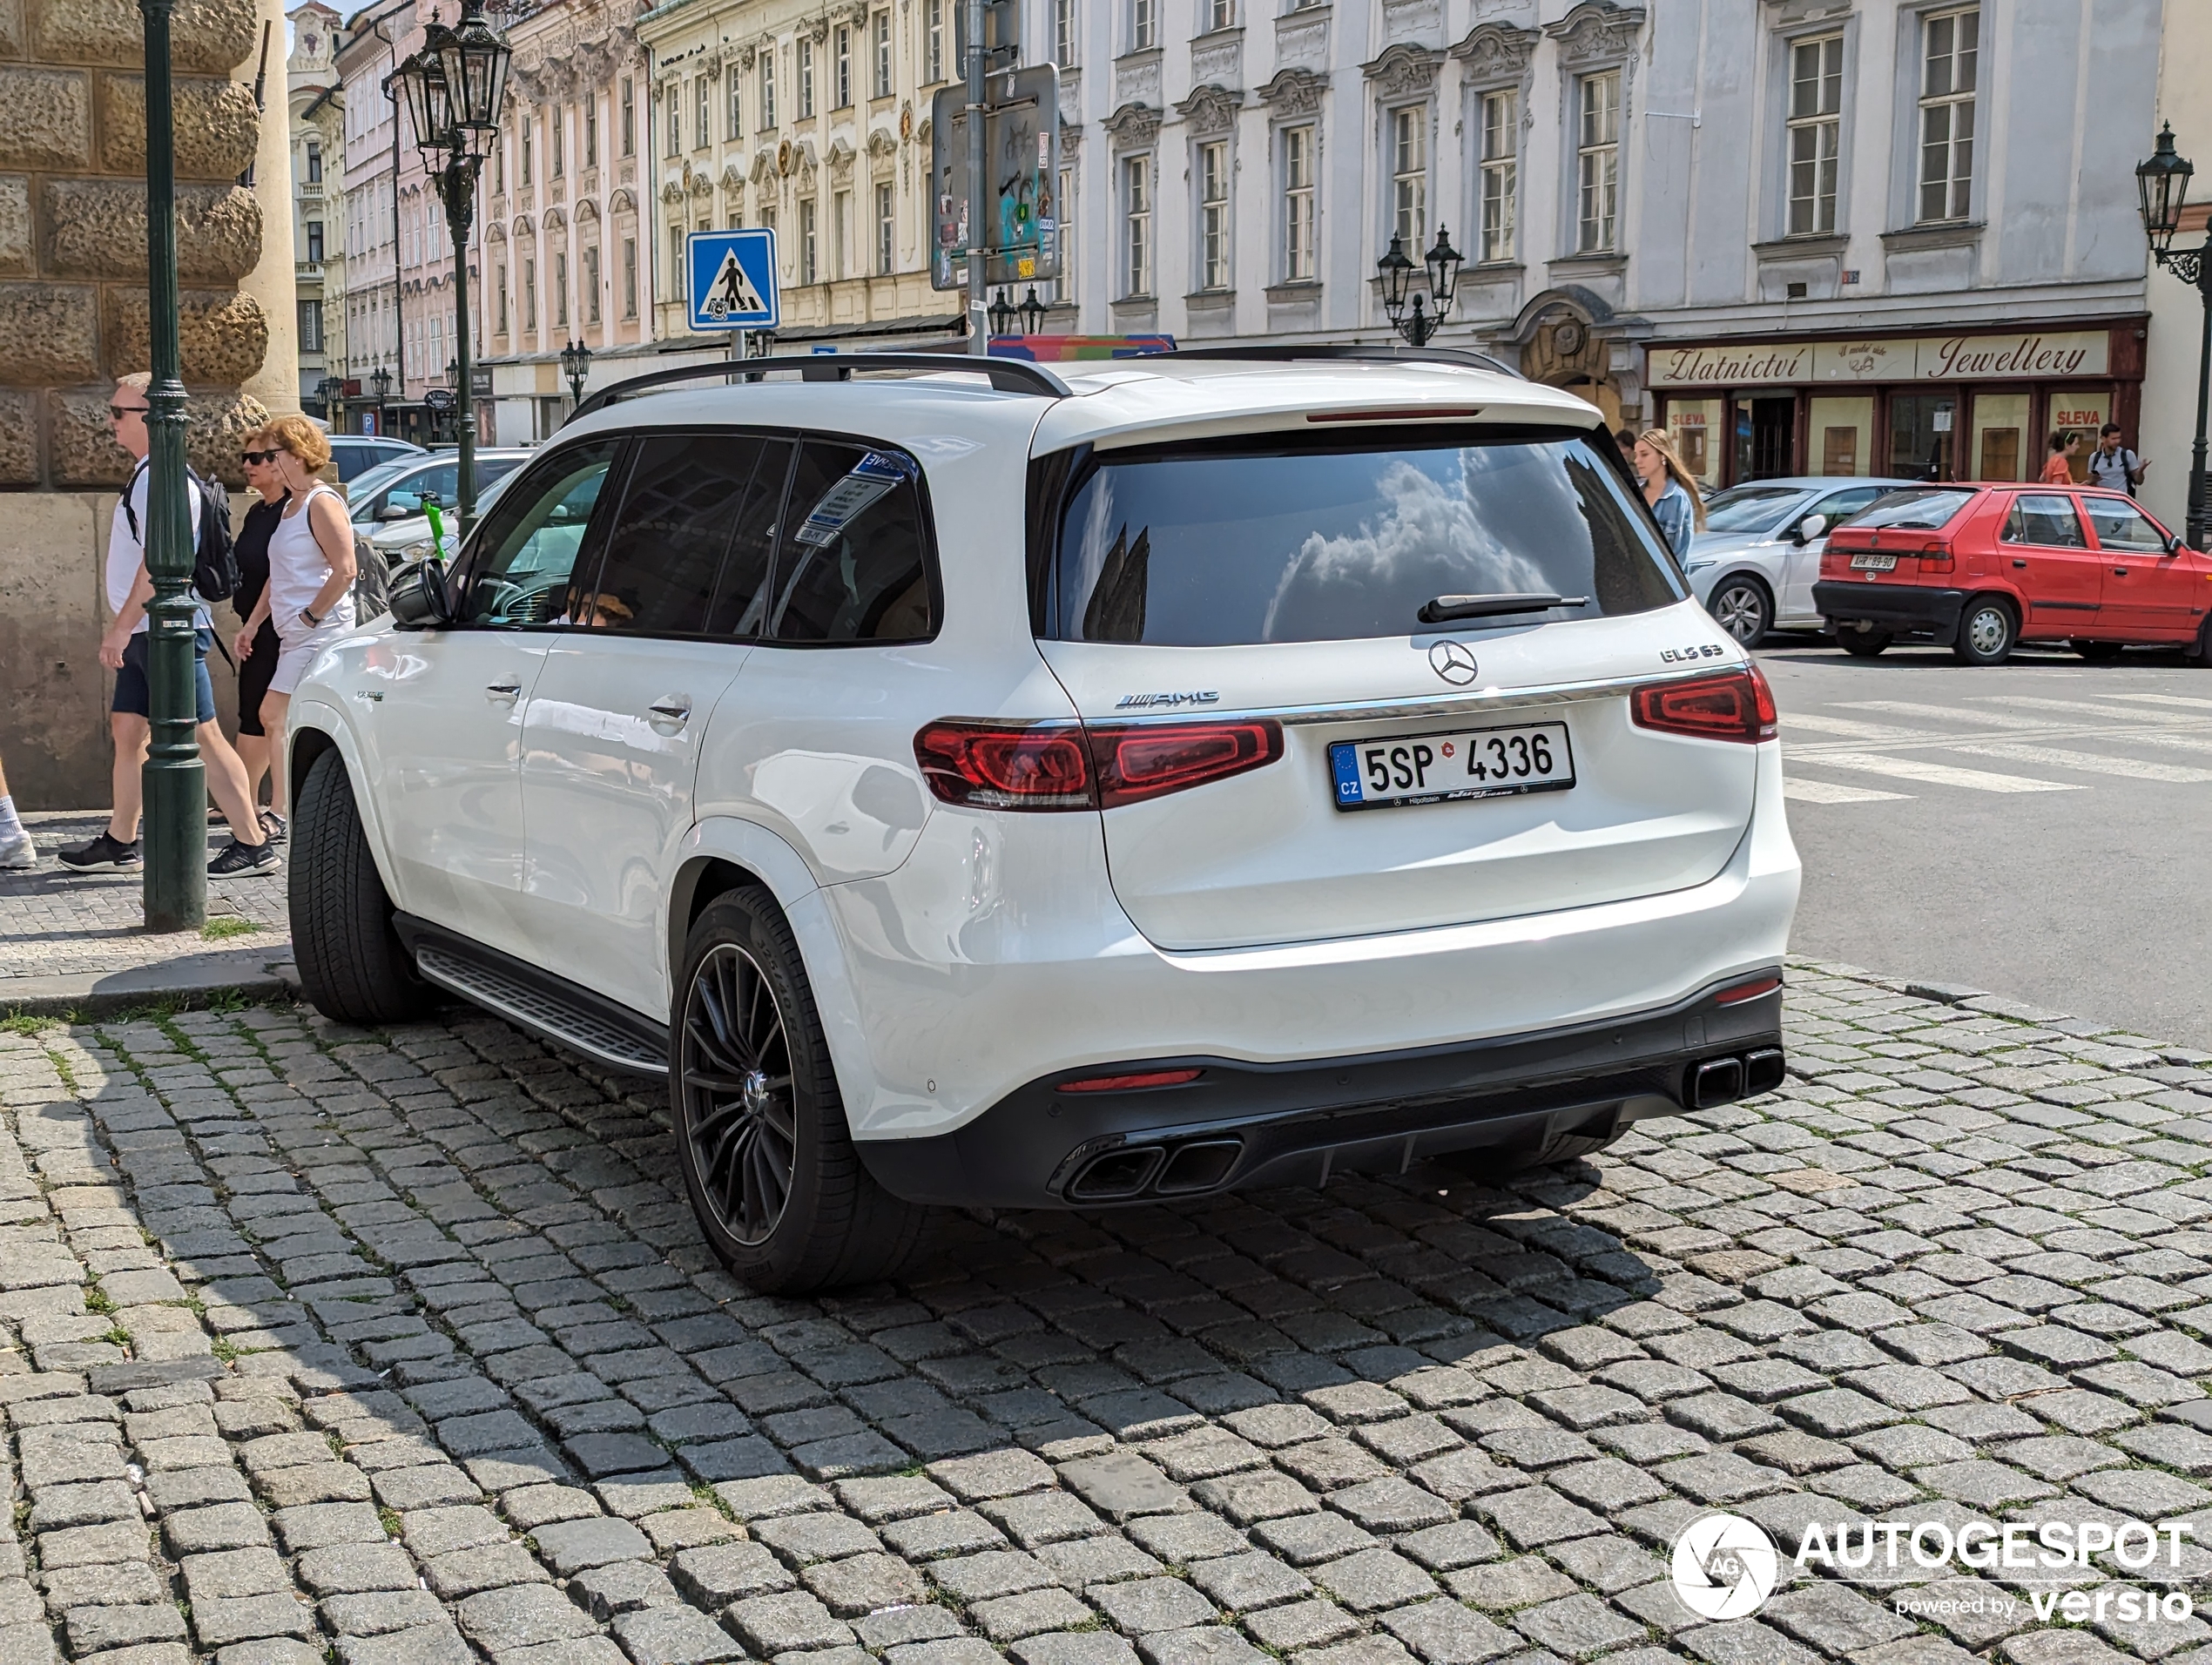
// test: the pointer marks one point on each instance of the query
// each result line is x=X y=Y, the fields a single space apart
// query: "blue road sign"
x=734 y=278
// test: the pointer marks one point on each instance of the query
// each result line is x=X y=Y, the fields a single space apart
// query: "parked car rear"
x=1980 y=569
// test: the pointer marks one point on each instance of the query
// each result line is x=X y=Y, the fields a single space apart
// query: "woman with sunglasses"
x=254 y=669
x=310 y=597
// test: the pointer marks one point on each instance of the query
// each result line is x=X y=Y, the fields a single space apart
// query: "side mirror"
x=395 y=510
x=420 y=597
x=2174 y=544
x=1811 y=527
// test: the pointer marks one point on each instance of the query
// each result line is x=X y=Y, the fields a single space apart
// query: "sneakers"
x=106 y=851
x=240 y=859
x=272 y=826
x=19 y=854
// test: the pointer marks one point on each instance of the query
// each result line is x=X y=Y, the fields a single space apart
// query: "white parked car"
x=1755 y=564
x=971 y=786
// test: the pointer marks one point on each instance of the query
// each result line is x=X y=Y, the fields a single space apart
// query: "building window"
x=629 y=116
x=529 y=295
x=499 y=170
x=677 y=275
x=1063 y=288
x=629 y=277
x=526 y=141
x=1949 y=62
x=768 y=88
x=499 y=290
x=315 y=163
x=311 y=327
x=591 y=285
x=702 y=129
x=673 y=106
x=879 y=41
x=808 y=268
x=1409 y=175
x=1816 y=122
x=805 y=79
x=1221 y=14
x=560 y=289
x=1300 y=264
x=1213 y=215
x=885 y=229
x=557 y=132
x=591 y=132
x=1136 y=225
x=314 y=242
x=842 y=57
x=1143 y=24
x=841 y=234
x=1500 y=169
x=1597 y=163
x=1063 y=33
x=933 y=42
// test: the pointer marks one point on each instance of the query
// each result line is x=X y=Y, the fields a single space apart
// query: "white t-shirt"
x=126 y=551
x=298 y=569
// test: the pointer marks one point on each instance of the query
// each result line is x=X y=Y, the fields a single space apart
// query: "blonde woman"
x=1670 y=488
x=311 y=578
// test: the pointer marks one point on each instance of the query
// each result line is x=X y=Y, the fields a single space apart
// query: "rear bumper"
x=1906 y=609
x=1243 y=1124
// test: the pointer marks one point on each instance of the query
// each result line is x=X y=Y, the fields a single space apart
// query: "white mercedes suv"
x=971 y=784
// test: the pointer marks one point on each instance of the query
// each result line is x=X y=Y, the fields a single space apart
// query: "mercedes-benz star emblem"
x=1452 y=661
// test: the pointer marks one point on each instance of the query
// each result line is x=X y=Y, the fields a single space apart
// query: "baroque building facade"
x=313 y=109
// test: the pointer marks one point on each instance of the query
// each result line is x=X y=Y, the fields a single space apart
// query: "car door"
x=2043 y=551
x=2152 y=593
x=448 y=711
x=1801 y=562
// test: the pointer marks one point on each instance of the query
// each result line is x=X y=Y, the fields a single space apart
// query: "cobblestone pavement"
x=401 y=1349
x=54 y=921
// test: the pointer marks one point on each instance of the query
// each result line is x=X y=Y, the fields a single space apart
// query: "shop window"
x=2000 y=436
x=1766 y=437
x=1692 y=423
x=1920 y=435
x=1841 y=435
x=2085 y=411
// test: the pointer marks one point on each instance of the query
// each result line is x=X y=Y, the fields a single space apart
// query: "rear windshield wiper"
x=1443 y=607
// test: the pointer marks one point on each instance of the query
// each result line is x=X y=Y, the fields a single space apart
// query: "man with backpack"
x=122 y=649
x=2112 y=465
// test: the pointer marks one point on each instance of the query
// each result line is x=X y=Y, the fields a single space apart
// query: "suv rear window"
x=1913 y=511
x=1346 y=536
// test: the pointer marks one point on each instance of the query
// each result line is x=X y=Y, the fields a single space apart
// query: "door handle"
x=672 y=711
x=2119 y=572
x=2020 y=563
x=508 y=690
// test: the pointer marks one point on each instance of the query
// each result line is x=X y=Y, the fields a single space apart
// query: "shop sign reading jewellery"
x=1930 y=358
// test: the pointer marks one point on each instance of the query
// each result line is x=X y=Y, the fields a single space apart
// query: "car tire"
x=1986 y=631
x=2099 y=652
x=352 y=966
x=768 y=1161
x=1742 y=605
x=2199 y=652
x=1863 y=644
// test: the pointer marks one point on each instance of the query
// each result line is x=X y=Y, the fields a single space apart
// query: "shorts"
x=253 y=673
x=296 y=653
x=132 y=696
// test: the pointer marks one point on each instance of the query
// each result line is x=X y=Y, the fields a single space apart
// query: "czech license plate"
x=1472 y=763
x=1870 y=561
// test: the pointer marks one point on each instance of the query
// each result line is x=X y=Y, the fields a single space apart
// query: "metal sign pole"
x=979 y=196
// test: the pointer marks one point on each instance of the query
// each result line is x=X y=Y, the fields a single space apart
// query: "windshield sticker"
x=874 y=474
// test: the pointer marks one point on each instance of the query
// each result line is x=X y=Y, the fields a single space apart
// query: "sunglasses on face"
x=117 y=413
x=261 y=456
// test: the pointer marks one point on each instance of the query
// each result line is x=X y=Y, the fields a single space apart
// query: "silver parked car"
x=1755 y=564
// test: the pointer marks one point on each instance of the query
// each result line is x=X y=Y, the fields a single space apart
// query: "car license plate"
x=1472 y=763
x=1870 y=562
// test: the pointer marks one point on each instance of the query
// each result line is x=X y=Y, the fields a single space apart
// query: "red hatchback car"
x=1980 y=569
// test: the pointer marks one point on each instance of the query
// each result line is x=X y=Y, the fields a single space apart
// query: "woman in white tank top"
x=311 y=578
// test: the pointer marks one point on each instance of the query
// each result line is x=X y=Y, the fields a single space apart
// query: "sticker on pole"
x=732 y=278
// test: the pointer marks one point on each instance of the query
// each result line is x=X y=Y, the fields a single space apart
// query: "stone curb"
x=195 y=980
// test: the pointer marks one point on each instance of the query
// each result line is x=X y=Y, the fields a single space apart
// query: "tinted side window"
x=852 y=563
x=518 y=568
x=740 y=607
x=665 y=546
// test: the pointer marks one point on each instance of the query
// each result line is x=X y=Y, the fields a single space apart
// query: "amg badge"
x=1138 y=702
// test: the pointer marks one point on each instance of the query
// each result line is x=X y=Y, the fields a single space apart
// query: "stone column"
x=270 y=284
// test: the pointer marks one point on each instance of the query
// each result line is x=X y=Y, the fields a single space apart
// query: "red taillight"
x=1007 y=765
x=1142 y=760
x=1935 y=556
x=1737 y=706
x=1749 y=991
x=1130 y=1083
x=1062 y=766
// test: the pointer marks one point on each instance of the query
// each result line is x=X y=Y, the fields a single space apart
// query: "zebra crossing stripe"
x=2035 y=704
x=2089 y=763
x=1941 y=774
x=1843 y=727
x=1952 y=714
x=2164 y=699
x=1830 y=792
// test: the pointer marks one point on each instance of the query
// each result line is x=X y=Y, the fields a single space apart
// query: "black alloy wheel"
x=736 y=1078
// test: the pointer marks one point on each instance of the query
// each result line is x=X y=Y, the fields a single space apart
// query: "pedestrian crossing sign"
x=732 y=278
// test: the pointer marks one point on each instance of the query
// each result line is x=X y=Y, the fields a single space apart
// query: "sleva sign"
x=1932 y=358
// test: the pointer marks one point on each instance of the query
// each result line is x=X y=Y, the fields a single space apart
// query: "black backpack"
x=372 y=581
x=214 y=574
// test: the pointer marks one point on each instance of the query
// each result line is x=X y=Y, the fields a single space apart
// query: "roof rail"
x=1359 y=352
x=1006 y=375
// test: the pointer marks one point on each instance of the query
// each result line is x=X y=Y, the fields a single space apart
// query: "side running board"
x=538 y=1002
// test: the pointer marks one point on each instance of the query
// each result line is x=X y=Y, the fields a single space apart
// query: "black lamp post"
x=175 y=781
x=327 y=390
x=1001 y=316
x=1424 y=315
x=576 y=364
x=380 y=379
x=1032 y=313
x=455 y=86
x=2163 y=183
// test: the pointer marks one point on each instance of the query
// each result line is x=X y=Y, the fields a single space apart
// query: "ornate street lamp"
x=327 y=390
x=1032 y=313
x=456 y=87
x=381 y=379
x=576 y=364
x=1424 y=315
x=1001 y=316
x=2163 y=183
